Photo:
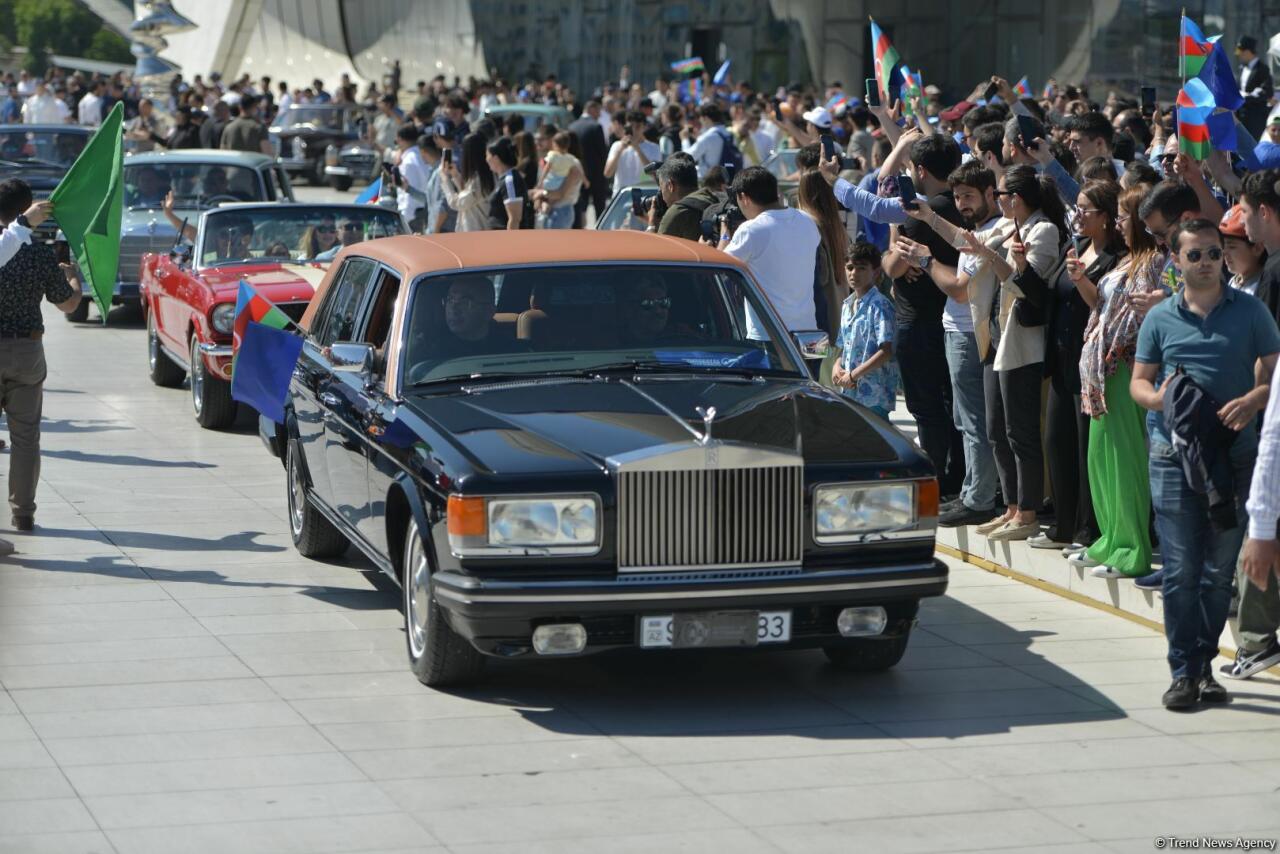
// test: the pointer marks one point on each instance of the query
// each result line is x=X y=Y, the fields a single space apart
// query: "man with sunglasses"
x=644 y=313
x=1227 y=342
x=350 y=232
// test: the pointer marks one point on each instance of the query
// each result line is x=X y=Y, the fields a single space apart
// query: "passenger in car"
x=469 y=327
x=643 y=313
x=318 y=239
x=350 y=232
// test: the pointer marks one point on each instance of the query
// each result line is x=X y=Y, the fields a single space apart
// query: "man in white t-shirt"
x=707 y=150
x=415 y=174
x=44 y=108
x=89 y=110
x=779 y=245
x=630 y=154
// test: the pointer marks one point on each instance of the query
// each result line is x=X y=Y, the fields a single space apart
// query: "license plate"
x=714 y=629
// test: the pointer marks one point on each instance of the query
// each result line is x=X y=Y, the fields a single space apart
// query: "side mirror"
x=813 y=344
x=348 y=357
x=181 y=253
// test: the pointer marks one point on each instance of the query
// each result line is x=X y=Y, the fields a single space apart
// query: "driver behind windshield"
x=644 y=312
x=469 y=328
x=215 y=183
x=228 y=239
x=149 y=189
x=318 y=239
x=350 y=232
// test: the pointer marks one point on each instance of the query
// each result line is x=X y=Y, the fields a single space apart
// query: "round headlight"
x=223 y=318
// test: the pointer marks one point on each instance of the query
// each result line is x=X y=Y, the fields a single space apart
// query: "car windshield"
x=291 y=232
x=619 y=214
x=195 y=186
x=42 y=148
x=317 y=117
x=550 y=320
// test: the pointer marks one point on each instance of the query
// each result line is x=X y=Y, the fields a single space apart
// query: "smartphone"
x=1027 y=132
x=448 y=156
x=828 y=147
x=637 y=202
x=850 y=163
x=62 y=251
x=907 y=192
x=777 y=110
x=1148 y=101
x=1079 y=242
x=873 y=92
x=991 y=92
x=727 y=168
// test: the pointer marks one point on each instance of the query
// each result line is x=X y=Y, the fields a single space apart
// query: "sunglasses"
x=663 y=303
x=326 y=229
x=351 y=226
x=1194 y=255
x=1005 y=193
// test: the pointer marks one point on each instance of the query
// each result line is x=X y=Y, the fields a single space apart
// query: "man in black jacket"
x=594 y=151
x=1255 y=86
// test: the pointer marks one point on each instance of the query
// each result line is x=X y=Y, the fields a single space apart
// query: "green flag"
x=88 y=205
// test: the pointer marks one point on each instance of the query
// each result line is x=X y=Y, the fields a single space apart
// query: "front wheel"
x=438 y=655
x=341 y=183
x=161 y=368
x=868 y=655
x=313 y=535
x=210 y=396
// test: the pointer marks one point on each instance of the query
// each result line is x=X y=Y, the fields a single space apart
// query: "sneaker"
x=1249 y=663
x=1105 y=571
x=1014 y=530
x=987 y=527
x=1182 y=695
x=1211 y=690
x=959 y=515
x=1081 y=560
x=944 y=506
x=1074 y=548
x=23 y=523
x=1043 y=541
x=1154 y=581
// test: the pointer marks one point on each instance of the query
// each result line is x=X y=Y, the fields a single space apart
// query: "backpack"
x=730 y=154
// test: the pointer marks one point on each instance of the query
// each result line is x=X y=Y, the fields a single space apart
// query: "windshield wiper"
x=660 y=366
x=510 y=376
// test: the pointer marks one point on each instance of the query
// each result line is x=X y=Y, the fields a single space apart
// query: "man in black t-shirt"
x=919 y=303
x=509 y=205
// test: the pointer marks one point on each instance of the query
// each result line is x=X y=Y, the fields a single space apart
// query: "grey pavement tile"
x=737 y=840
x=137 y=591
x=1142 y=700
x=1149 y=648
x=1012 y=591
x=762 y=744
x=520 y=824
x=800 y=772
x=895 y=683
x=420 y=705
x=314 y=643
x=96 y=723
x=94 y=651
x=1064 y=756
x=265 y=623
x=308 y=663
x=15 y=726
x=222 y=666
x=238 y=582
x=325 y=835
x=1015 y=729
x=306 y=601
x=1099 y=673
x=942 y=658
x=323 y=800
x=1134 y=785
x=82 y=842
x=23 y=753
x=456 y=732
x=1237 y=813
x=532 y=758
x=7 y=706
x=578 y=786
x=142 y=696
x=113 y=630
x=174 y=746
x=44 y=815
x=383 y=683
x=925 y=833
x=1096 y=625
x=190 y=775
x=21 y=784
x=55 y=573
x=969 y=704
x=1237 y=745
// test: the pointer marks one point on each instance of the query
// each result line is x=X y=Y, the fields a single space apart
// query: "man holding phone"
x=631 y=153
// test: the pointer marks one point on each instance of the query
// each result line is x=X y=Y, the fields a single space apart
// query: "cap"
x=1247 y=43
x=932 y=89
x=818 y=117
x=1232 y=224
x=957 y=112
x=442 y=127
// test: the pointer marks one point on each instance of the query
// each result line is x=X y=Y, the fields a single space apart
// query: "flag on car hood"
x=265 y=364
x=371 y=193
x=89 y=203
x=252 y=306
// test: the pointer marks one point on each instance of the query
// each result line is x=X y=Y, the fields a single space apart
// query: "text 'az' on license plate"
x=714 y=628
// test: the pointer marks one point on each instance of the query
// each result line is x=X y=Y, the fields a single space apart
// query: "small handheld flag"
x=1195 y=105
x=253 y=307
x=1221 y=80
x=690 y=91
x=1193 y=49
x=371 y=194
x=692 y=65
x=265 y=366
x=1022 y=88
x=887 y=62
x=722 y=74
x=837 y=101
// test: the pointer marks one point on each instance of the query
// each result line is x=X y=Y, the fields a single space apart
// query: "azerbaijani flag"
x=1195 y=105
x=371 y=194
x=252 y=306
x=887 y=62
x=911 y=88
x=690 y=91
x=692 y=65
x=1193 y=49
x=1022 y=88
x=1050 y=92
x=836 y=101
x=722 y=73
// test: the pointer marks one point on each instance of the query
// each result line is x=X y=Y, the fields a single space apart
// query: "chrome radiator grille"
x=710 y=518
x=133 y=248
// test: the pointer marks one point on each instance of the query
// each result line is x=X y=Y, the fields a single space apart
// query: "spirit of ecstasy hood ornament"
x=708 y=415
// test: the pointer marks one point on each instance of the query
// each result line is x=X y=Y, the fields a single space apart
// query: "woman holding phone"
x=1034 y=211
x=467 y=191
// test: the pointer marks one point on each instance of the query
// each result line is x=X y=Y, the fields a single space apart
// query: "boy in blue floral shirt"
x=864 y=368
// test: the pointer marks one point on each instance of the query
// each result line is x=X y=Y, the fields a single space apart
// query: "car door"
x=378 y=410
x=167 y=281
x=313 y=393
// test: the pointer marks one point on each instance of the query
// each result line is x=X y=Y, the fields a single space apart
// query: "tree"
x=56 y=26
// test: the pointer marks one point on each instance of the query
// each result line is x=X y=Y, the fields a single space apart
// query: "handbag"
x=1032 y=308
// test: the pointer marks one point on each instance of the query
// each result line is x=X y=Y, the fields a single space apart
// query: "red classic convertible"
x=189 y=294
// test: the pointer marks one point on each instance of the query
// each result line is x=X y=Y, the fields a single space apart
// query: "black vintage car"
x=561 y=443
x=325 y=143
x=41 y=156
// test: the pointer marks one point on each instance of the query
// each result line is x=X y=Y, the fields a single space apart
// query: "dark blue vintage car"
x=568 y=442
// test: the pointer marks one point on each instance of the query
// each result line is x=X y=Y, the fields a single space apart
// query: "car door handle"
x=328 y=398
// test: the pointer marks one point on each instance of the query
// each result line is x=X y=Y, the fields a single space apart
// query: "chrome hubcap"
x=296 y=495
x=416 y=593
x=197 y=377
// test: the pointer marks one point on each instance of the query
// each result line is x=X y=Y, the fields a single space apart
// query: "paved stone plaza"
x=177 y=679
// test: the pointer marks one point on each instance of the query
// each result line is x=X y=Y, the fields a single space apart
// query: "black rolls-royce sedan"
x=566 y=442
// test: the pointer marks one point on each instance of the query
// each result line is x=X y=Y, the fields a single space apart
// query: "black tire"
x=81 y=314
x=868 y=655
x=161 y=368
x=438 y=655
x=341 y=183
x=315 y=174
x=210 y=396
x=313 y=535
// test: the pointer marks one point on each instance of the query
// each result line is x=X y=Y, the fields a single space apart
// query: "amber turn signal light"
x=466 y=516
x=926 y=499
